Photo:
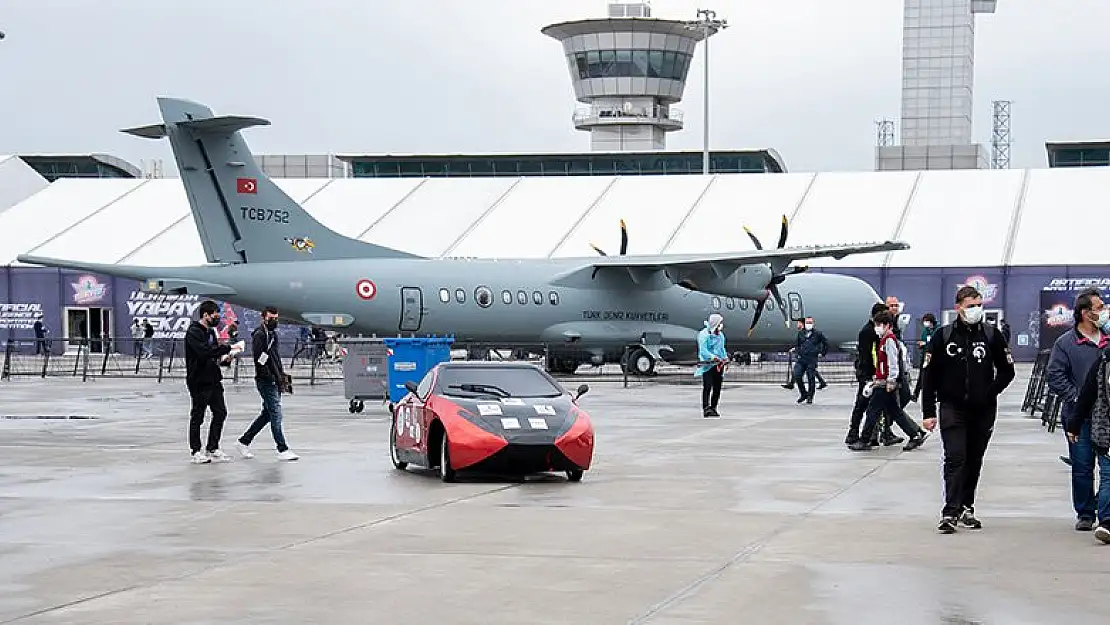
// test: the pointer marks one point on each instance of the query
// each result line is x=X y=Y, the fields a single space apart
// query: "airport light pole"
x=708 y=24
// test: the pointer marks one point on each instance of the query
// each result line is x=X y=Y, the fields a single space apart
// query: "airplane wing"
x=642 y=269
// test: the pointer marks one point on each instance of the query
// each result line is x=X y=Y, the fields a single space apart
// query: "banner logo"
x=1058 y=315
x=88 y=290
x=980 y=283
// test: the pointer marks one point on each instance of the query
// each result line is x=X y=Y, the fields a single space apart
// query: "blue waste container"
x=412 y=358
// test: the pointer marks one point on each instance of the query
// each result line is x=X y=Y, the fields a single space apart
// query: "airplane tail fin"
x=241 y=215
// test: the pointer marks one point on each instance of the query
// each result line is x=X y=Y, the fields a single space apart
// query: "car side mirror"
x=582 y=390
x=411 y=386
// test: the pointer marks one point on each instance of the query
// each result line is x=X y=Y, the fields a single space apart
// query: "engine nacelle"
x=746 y=282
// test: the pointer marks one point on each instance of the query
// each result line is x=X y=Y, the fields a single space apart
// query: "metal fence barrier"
x=320 y=363
x=1040 y=398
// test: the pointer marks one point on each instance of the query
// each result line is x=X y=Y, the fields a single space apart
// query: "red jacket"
x=882 y=367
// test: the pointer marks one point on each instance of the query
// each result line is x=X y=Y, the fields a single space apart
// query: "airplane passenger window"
x=483 y=296
x=743 y=304
x=521 y=297
x=460 y=296
x=537 y=298
x=507 y=297
x=444 y=295
x=553 y=297
x=716 y=303
x=730 y=303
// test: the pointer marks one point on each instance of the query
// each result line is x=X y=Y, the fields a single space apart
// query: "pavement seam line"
x=178 y=578
x=749 y=550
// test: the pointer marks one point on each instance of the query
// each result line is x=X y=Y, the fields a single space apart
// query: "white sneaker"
x=201 y=458
x=244 y=450
x=287 y=455
x=219 y=456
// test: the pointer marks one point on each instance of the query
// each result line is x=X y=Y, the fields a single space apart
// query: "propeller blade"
x=598 y=250
x=783 y=232
x=782 y=307
x=755 y=318
x=758 y=245
x=624 y=238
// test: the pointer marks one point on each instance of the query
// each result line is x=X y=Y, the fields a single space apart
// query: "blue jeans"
x=271 y=413
x=1083 y=494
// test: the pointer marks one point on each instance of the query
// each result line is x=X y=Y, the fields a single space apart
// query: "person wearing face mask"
x=821 y=383
x=271 y=380
x=809 y=345
x=711 y=363
x=203 y=378
x=1073 y=356
x=883 y=388
x=865 y=373
x=967 y=365
x=928 y=329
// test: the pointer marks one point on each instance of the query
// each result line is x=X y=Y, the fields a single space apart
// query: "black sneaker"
x=967 y=519
x=947 y=525
x=710 y=413
x=788 y=387
x=801 y=399
x=1084 y=525
x=916 y=441
x=860 y=446
x=822 y=385
x=887 y=442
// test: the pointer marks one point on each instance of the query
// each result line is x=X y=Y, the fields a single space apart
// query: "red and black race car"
x=499 y=417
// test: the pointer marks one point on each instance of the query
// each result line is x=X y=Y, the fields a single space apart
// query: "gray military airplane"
x=264 y=249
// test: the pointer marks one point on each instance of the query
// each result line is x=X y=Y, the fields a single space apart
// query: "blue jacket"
x=710 y=345
x=808 y=346
x=1072 y=357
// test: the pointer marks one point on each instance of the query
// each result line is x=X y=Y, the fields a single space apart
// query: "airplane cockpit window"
x=444 y=295
x=521 y=297
x=507 y=297
x=553 y=297
x=730 y=303
x=483 y=296
x=460 y=296
x=716 y=303
x=537 y=298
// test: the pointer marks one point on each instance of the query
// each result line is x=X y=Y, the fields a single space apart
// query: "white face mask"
x=809 y=326
x=880 y=330
x=973 y=314
x=1103 y=317
x=928 y=324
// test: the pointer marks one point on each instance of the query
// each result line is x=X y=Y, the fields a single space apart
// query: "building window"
x=444 y=295
x=631 y=64
x=553 y=297
x=460 y=296
x=484 y=296
x=521 y=297
x=507 y=297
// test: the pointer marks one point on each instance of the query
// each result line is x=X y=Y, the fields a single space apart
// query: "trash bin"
x=365 y=371
x=412 y=358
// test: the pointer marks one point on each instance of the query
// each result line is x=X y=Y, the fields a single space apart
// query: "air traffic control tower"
x=628 y=69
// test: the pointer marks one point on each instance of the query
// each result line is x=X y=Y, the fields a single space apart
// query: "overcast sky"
x=806 y=77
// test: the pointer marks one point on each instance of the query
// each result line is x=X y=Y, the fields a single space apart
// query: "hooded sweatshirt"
x=710 y=344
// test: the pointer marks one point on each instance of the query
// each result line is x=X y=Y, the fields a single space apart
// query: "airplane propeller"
x=778 y=275
x=624 y=242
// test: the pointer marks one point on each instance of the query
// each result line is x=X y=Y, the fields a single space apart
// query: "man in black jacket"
x=1088 y=431
x=203 y=378
x=966 y=367
x=271 y=381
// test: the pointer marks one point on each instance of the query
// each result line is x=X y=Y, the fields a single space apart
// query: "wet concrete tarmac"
x=760 y=517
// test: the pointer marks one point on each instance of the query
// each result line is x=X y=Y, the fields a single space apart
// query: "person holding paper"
x=271 y=381
x=203 y=378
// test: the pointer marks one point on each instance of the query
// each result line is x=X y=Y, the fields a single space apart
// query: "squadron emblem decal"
x=301 y=244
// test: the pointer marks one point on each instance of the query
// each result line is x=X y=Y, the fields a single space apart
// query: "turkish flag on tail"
x=246 y=185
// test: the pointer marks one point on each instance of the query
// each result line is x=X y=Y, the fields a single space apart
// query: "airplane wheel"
x=360 y=406
x=641 y=363
x=393 y=455
x=575 y=475
x=352 y=407
x=446 y=473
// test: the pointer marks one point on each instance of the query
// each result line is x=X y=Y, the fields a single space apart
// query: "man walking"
x=809 y=345
x=203 y=378
x=889 y=361
x=865 y=372
x=1073 y=356
x=1088 y=428
x=271 y=380
x=967 y=365
x=712 y=357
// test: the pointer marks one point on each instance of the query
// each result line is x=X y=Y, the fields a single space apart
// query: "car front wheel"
x=575 y=475
x=446 y=473
x=393 y=455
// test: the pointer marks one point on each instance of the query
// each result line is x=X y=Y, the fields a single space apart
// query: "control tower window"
x=631 y=64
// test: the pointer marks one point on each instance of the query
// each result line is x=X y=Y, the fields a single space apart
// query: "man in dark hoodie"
x=271 y=381
x=203 y=378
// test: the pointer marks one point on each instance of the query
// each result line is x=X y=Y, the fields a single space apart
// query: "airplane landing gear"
x=356 y=405
x=640 y=362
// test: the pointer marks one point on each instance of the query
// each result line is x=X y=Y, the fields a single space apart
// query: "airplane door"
x=797 y=311
x=412 y=308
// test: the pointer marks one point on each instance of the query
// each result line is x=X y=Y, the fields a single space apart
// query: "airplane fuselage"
x=533 y=301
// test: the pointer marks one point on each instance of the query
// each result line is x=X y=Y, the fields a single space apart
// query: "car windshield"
x=496 y=382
